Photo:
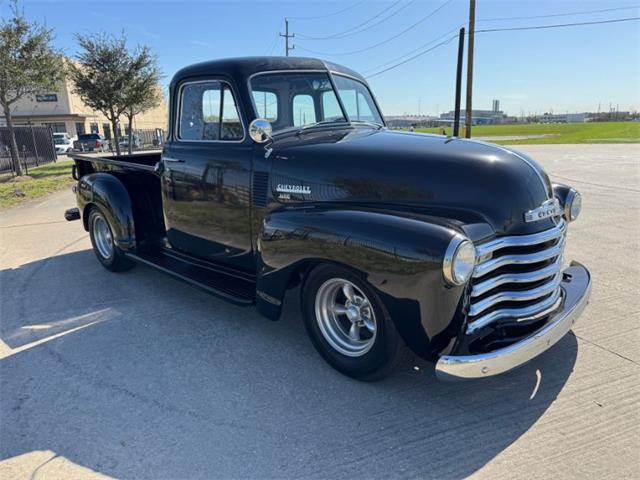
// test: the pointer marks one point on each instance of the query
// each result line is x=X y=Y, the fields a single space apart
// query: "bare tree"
x=28 y=64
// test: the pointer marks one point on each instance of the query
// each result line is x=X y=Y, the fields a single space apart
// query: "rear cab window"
x=304 y=112
x=266 y=105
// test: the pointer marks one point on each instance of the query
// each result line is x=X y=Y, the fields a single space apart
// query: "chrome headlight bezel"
x=459 y=260
x=572 y=205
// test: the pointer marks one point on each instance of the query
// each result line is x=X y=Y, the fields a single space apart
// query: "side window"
x=304 y=111
x=330 y=106
x=357 y=100
x=266 y=105
x=209 y=112
x=356 y=105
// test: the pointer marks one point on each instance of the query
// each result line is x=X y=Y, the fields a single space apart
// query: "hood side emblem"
x=300 y=189
x=550 y=208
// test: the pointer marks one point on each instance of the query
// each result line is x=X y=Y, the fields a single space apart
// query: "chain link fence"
x=35 y=147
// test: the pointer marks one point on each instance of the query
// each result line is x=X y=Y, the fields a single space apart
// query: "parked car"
x=62 y=143
x=89 y=142
x=451 y=247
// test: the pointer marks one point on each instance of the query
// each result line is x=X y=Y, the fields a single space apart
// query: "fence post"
x=24 y=161
x=35 y=147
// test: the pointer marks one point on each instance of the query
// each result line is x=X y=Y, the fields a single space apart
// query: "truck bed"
x=138 y=161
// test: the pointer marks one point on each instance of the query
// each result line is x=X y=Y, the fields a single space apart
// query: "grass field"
x=596 y=132
x=39 y=182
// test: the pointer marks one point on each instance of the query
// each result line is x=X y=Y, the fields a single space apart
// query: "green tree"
x=112 y=79
x=28 y=64
x=143 y=93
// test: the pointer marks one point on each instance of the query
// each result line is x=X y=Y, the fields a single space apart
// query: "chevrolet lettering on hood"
x=550 y=208
x=293 y=189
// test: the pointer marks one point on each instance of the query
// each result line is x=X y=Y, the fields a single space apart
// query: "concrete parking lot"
x=137 y=375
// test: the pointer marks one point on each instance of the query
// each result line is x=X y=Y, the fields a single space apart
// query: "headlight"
x=572 y=205
x=459 y=260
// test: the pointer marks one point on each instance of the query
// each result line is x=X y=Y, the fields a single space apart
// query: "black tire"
x=108 y=254
x=387 y=349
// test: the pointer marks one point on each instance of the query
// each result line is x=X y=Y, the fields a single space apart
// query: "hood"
x=451 y=178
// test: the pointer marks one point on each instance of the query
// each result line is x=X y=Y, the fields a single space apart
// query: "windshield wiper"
x=366 y=122
x=320 y=123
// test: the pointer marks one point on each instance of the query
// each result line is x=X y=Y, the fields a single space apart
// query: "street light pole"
x=472 y=28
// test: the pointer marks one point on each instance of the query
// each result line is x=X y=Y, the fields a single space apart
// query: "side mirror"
x=260 y=130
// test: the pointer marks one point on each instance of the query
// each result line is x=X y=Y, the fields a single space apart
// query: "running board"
x=230 y=287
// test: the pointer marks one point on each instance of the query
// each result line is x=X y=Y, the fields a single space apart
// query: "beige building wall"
x=68 y=113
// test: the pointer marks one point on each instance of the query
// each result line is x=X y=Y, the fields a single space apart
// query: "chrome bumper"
x=576 y=286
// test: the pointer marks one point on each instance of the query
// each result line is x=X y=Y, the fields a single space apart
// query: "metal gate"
x=35 y=146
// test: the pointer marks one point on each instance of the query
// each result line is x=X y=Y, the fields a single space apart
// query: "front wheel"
x=349 y=325
x=109 y=255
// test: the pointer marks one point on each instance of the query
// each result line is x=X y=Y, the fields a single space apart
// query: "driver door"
x=206 y=177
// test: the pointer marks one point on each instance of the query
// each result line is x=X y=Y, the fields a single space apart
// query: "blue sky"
x=565 y=69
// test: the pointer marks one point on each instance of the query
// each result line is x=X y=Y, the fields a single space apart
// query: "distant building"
x=406 y=121
x=63 y=111
x=563 y=117
x=478 y=117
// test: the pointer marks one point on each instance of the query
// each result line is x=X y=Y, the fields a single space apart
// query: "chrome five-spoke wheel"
x=102 y=236
x=104 y=245
x=346 y=317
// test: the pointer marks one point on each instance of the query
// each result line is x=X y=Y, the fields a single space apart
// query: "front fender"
x=108 y=193
x=399 y=256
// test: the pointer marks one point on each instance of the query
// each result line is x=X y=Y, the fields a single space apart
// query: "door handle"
x=172 y=160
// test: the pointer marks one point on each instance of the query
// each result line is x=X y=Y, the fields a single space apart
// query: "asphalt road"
x=137 y=375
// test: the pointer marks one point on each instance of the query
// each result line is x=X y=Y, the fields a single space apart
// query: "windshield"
x=297 y=100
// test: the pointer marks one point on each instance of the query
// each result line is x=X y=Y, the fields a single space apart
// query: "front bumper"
x=576 y=286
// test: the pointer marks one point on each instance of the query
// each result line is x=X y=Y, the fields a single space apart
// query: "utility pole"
x=456 y=118
x=287 y=37
x=472 y=28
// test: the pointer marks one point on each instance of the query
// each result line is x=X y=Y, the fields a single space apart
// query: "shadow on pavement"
x=136 y=375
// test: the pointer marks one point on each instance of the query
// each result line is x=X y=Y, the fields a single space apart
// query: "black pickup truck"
x=280 y=172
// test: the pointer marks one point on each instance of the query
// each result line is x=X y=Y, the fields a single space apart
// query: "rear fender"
x=400 y=257
x=108 y=193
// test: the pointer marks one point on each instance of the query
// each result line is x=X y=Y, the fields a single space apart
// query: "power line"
x=583 y=12
x=536 y=27
x=441 y=44
x=273 y=44
x=353 y=31
x=348 y=30
x=329 y=14
x=371 y=47
x=424 y=45
x=540 y=27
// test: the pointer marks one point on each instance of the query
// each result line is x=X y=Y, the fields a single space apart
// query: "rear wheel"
x=349 y=325
x=108 y=254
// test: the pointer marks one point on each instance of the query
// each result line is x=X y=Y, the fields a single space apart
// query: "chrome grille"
x=517 y=277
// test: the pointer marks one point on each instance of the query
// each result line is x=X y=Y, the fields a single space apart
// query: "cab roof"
x=242 y=68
